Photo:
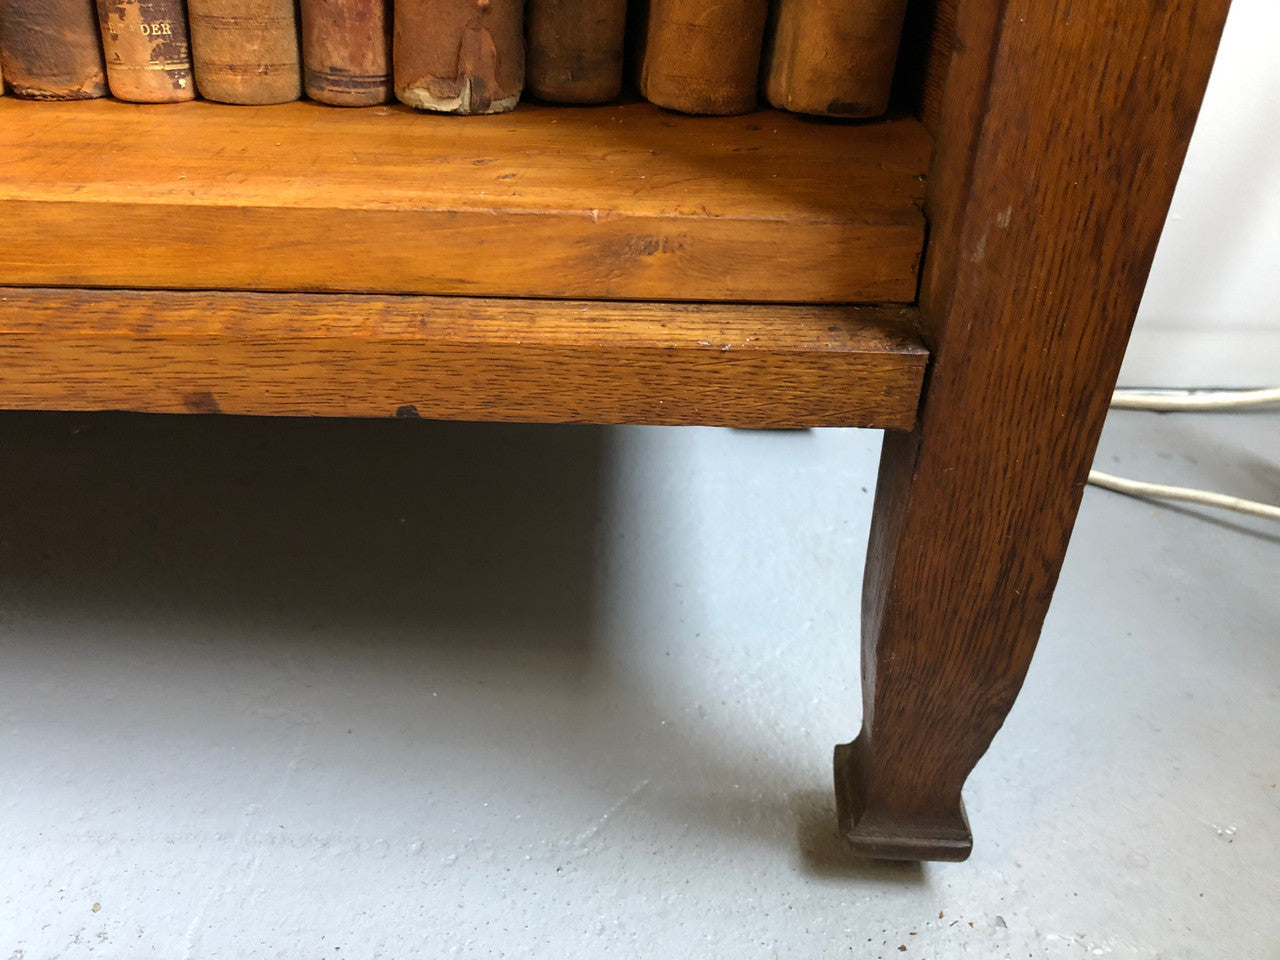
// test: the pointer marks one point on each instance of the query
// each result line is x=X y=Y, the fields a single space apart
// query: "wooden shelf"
x=618 y=202
x=459 y=358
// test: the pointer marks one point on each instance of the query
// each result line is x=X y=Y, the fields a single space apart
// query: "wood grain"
x=1060 y=140
x=459 y=358
x=618 y=202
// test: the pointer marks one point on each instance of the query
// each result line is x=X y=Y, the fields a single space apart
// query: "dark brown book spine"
x=459 y=56
x=346 y=51
x=702 y=56
x=49 y=49
x=833 y=57
x=574 y=49
x=245 y=51
x=147 y=51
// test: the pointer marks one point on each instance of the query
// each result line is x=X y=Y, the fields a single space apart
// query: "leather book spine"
x=147 y=52
x=833 y=58
x=346 y=51
x=245 y=51
x=702 y=56
x=574 y=49
x=50 y=50
x=459 y=56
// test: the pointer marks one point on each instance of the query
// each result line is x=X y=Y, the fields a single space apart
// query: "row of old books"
x=826 y=57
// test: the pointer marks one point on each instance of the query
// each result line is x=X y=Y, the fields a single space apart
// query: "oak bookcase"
x=962 y=273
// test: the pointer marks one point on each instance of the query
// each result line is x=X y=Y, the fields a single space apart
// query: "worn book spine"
x=146 y=48
x=701 y=56
x=459 y=56
x=346 y=51
x=574 y=49
x=50 y=50
x=833 y=58
x=245 y=51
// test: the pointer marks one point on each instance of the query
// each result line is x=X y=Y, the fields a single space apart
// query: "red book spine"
x=346 y=51
x=459 y=56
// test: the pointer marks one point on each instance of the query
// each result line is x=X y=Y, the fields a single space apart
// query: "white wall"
x=1211 y=314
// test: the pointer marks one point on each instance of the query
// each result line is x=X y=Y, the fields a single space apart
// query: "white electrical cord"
x=1186 y=400
x=1189 y=400
x=1138 y=488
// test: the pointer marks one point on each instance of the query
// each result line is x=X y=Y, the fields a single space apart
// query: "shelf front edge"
x=458 y=358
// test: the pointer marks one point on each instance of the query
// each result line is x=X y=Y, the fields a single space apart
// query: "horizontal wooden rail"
x=459 y=358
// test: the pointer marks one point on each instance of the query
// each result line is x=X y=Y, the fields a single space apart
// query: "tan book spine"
x=702 y=56
x=346 y=51
x=147 y=52
x=245 y=51
x=459 y=56
x=833 y=58
x=574 y=49
x=50 y=50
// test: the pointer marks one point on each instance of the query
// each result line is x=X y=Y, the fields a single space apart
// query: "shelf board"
x=624 y=201
x=459 y=358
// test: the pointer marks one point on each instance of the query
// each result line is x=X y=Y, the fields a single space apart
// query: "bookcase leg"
x=1056 y=153
x=945 y=646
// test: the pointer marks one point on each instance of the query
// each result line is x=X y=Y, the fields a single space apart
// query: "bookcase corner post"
x=1057 y=149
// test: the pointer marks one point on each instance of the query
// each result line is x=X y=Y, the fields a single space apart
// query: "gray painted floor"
x=403 y=689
